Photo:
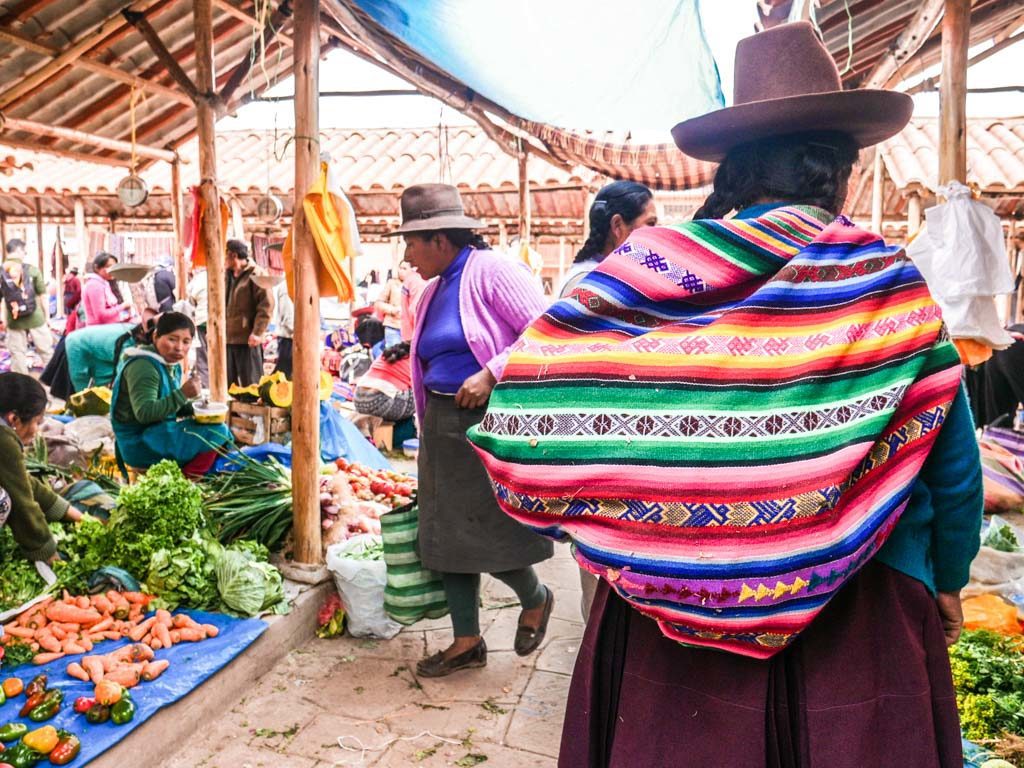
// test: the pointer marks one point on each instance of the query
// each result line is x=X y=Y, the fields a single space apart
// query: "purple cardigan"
x=498 y=300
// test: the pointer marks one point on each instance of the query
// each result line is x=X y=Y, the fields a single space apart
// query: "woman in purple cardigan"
x=468 y=318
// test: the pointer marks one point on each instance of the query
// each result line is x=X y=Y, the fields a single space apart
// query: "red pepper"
x=66 y=750
x=83 y=704
x=38 y=685
x=31 y=703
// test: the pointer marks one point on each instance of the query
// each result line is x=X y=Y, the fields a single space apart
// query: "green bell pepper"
x=48 y=707
x=98 y=713
x=12 y=731
x=22 y=756
x=123 y=711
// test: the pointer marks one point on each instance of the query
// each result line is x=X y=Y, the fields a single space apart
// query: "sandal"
x=438 y=666
x=528 y=639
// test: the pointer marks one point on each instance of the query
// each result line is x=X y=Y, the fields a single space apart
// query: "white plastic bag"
x=361 y=586
x=962 y=256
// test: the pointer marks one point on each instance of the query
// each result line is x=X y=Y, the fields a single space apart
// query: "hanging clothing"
x=144 y=409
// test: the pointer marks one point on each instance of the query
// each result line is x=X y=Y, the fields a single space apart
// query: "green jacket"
x=38 y=317
x=140 y=401
x=33 y=504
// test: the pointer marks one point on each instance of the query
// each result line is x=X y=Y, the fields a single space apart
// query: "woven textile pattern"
x=726 y=419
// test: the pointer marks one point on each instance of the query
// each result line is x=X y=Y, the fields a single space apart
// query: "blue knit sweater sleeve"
x=952 y=473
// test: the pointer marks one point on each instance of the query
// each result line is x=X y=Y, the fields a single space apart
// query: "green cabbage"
x=247 y=586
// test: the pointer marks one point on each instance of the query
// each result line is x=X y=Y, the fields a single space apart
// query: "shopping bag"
x=361 y=586
x=412 y=592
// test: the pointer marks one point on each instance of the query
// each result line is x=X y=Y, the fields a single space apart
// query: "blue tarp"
x=597 y=64
x=191 y=665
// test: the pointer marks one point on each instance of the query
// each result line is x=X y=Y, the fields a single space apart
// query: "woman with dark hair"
x=757 y=437
x=150 y=406
x=94 y=352
x=30 y=505
x=101 y=303
x=618 y=209
x=469 y=316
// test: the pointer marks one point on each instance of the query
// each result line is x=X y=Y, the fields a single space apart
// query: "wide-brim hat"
x=429 y=207
x=787 y=82
x=268 y=282
x=130 y=273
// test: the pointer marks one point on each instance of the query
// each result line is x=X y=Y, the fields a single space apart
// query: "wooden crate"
x=256 y=424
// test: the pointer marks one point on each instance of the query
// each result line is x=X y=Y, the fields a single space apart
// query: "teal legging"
x=463 y=593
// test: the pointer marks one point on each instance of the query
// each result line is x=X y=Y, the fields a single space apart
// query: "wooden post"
x=59 y=258
x=562 y=250
x=877 y=188
x=81 y=236
x=913 y=214
x=524 y=197
x=237 y=219
x=3 y=236
x=502 y=235
x=178 y=222
x=956 y=25
x=211 y=234
x=39 y=236
x=306 y=360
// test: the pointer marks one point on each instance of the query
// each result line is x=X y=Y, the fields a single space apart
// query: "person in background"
x=24 y=293
x=249 y=308
x=164 y=284
x=197 y=288
x=72 y=298
x=389 y=309
x=93 y=353
x=618 y=209
x=100 y=297
x=467 y=321
x=284 y=323
x=412 y=287
x=32 y=504
x=149 y=397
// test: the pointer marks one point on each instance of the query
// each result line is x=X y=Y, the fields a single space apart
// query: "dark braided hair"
x=460 y=238
x=800 y=169
x=626 y=198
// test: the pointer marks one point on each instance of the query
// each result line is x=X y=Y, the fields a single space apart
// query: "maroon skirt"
x=867 y=685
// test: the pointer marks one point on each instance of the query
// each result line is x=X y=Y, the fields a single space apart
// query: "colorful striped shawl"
x=726 y=418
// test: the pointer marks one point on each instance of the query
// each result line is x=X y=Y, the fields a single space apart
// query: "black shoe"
x=437 y=666
x=529 y=639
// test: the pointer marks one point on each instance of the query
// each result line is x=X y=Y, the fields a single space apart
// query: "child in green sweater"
x=32 y=504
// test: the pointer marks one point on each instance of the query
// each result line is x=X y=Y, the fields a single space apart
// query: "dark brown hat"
x=428 y=207
x=787 y=82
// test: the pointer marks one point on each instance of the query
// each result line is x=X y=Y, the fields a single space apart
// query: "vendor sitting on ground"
x=149 y=398
x=386 y=389
x=31 y=503
x=93 y=352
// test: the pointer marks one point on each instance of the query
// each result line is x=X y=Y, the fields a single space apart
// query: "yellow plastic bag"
x=991 y=612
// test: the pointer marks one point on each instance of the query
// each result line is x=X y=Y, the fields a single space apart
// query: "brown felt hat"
x=787 y=82
x=429 y=207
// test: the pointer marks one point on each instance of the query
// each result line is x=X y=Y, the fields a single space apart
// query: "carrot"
x=47 y=641
x=72 y=647
x=109 y=635
x=155 y=644
x=94 y=667
x=184 y=621
x=154 y=669
x=102 y=604
x=58 y=631
x=73 y=615
x=83 y=602
x=192 y=635
x=126 y=675
x=86 y=642
x=211 y=630
x=102 y=624
x=164 y=617
x=175 y=636
x=46 y=658
x=24 y=632
x=137 y=597
x=141 y=630
x=75 y=670
x=162 y=633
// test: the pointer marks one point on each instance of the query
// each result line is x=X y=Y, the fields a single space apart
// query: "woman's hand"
x=255 y=341
x=952 y=614
x=73 y=515
x=476 y=390
x=192 y=388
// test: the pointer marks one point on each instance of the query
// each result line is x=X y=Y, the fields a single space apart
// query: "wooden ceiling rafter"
x=908 y=43
x=228 y=7
x=82 y=157
x=24 y=10
x=81 y=137
x=156 y=45
x=269 y=33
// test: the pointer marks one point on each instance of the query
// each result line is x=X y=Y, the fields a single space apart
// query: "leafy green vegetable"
x=1001 y=536
x=19 y=581
x=246 y=585
x=184 y=575
x=367 y=548
x=988 y=672
x=17 y=653
x=254 y=502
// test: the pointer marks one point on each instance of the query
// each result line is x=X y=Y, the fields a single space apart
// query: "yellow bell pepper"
x=42 y=740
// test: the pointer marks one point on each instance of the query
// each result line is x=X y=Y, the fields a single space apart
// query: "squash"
x=94 y=401
x=272 y=378
x=248 y=394
x=326 y=385
x=277 y=393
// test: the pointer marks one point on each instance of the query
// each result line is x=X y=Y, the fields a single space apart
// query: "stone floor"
x=364 y=694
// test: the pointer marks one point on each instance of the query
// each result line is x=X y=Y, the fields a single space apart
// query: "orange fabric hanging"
x=195 y=248
x=332 y=223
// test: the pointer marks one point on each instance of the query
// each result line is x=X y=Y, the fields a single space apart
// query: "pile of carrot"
x=127 y=666
x=55 y=628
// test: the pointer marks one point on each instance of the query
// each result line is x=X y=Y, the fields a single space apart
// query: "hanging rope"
x=849 y=38
x=133 y=101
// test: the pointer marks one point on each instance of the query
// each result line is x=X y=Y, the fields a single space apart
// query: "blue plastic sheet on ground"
x=282 y=453
x=341 y=439
x=974 y=756
x=191 y=665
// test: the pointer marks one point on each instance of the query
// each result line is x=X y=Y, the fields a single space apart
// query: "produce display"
x=276 y=391
x=988 y=672
x=353 y=497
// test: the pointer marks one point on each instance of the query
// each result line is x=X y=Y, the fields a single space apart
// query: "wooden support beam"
x=562 y=261
x=270 y=31
x=3 y=233
x=524 y=196
x=178 y=222
x=81 y=236
x=23 y=10
x=930 y=84
x=913 y=213
x=138 y=20
x=877 y=192
x=237 y=219
x=83 y=157
x=956 y=28
x=69 y=55
x=82 y=137
x=306 y=361
x=58 y=254
x=211 y=234
x=90 y=64
x=913 y=36
x=241 y=15
x=39 y=235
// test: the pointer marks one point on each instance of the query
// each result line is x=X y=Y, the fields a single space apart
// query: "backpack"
x=20 y=302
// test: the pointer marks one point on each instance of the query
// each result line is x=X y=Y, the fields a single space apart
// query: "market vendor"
x=151 y=409
x=31 y=504
x=93 y=352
